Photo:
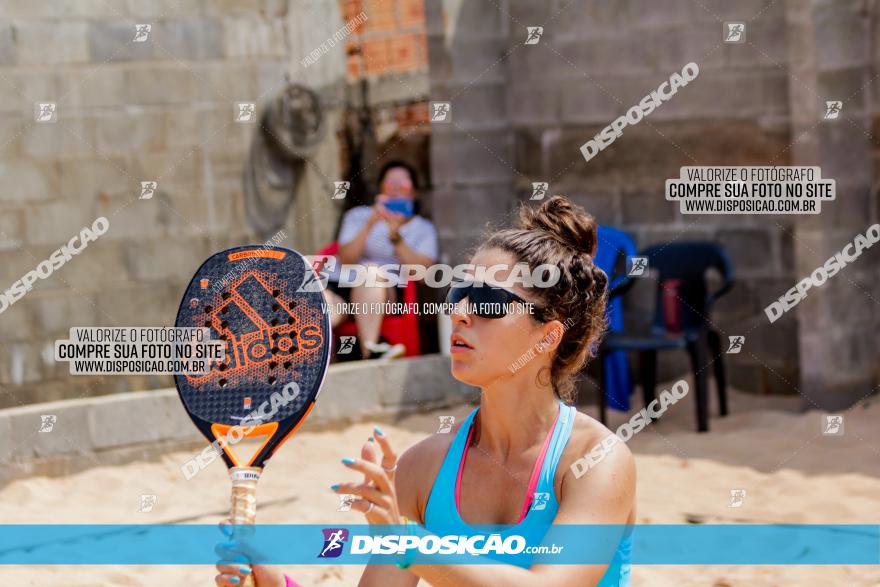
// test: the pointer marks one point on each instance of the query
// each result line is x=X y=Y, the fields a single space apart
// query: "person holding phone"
x=389 y=232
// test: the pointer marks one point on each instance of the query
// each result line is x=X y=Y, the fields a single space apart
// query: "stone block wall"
x=521 y=113
x=163 y=111
x=127 y=112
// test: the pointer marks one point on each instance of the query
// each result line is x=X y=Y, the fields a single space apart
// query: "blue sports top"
x=443 y=517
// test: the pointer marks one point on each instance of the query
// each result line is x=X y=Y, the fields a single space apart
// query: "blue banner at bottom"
x=734 y=544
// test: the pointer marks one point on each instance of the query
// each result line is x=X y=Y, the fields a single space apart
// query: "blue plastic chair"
x=614 y=247
x=685 y=263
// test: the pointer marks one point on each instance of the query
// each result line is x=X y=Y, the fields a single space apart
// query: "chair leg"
x=720 y=376
x=648 y=374
x=698 y=352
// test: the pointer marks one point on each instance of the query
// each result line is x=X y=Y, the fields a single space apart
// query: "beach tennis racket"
x=263 y=303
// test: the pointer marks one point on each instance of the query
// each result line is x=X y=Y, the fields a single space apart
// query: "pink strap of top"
x=533 y=481
x=290 y=582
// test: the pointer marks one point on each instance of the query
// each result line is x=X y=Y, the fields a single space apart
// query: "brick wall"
x=390 y=52
x=391 y=40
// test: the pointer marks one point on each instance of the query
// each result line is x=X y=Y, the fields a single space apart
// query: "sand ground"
x=791 y=471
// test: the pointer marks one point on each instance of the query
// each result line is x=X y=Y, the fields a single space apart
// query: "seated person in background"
x=389 y=231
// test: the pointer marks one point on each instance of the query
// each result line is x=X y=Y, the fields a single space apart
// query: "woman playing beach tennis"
x=509 y=462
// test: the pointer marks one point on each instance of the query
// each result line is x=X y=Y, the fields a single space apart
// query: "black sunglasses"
x=487 y=301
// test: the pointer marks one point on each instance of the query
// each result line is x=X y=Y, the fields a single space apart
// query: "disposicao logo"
x=334 y=541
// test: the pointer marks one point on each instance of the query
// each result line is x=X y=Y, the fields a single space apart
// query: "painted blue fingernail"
x=234 y=580
x=335 y=486
x=245 y=570
x=371 y=439
x=348 y=461
x=378 y=431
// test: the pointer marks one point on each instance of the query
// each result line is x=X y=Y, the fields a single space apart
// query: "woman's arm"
x=404 y=481
x=423 y=251
x=409 y=256
x=352 y=251
x=382 y=575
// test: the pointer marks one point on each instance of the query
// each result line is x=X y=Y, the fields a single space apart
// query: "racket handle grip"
x=244 y=502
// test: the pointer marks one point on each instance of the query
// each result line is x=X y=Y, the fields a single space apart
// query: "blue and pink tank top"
x=442 y=514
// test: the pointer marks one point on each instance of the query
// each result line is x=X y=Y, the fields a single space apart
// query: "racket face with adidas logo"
x=277 y=347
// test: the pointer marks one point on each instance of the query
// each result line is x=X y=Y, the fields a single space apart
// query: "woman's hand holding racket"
x=377 y=497
x=235 y=556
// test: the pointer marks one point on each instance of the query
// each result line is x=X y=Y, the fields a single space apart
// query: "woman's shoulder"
x=352 y=222
x=358 y=211
x=598 y=481
x=590 y=441
x=422 y=222
x=428 y=453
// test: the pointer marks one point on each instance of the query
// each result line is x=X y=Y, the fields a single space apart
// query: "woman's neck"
x=514 y=418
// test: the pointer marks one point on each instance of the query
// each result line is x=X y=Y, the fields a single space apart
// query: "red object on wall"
x=402 y=329
x=671 y=305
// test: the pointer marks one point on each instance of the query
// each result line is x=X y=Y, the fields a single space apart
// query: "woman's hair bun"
x=568 y=223
x=561 y=234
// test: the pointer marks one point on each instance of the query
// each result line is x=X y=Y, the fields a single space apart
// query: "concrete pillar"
x=472 y=163
x=830 y=59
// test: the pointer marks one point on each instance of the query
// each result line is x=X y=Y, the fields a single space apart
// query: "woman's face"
x=495 y=344
x=397 y=183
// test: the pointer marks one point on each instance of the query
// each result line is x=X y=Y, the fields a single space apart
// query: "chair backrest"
x=329 y=249
x=613 y=245
x=689 y=262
